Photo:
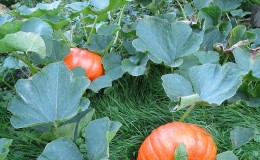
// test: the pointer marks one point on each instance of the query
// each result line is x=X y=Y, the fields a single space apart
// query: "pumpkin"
x=91 y=62
x=163 y=141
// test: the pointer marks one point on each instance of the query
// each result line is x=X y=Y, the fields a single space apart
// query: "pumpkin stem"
x=187 y=112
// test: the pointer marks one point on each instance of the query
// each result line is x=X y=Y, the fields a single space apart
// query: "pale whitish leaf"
x=135 y=65
x=247 y=61
x=41 y=28
x=166 y=41
x=181 y=152
x=228 y=155
x=53 y=95
x=185 y=101
x=4 y=147
x=98 y=134
x=61 y=149
x=22 y=41
x=240 y=136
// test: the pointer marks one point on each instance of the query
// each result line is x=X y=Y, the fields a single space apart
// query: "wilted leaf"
x=166 y=41
x=52 y=95
x=98 y=134
x=61 y=149
x=240 y=136
x=239 y=33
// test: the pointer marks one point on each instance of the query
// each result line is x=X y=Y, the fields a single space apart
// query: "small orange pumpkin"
x=163 y=141
x=91 y=62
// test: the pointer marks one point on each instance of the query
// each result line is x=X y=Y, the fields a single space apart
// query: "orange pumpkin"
x=91 y=62
x=163 y=141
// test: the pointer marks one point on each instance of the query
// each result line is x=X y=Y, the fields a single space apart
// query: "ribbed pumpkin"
x=91 y=62
x=163 y=141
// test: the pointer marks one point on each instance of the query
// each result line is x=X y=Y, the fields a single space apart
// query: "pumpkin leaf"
x=39 y=10
x=107 y=30
x=84 y=121
x=61 y=149
x=211 y=14
x=41 y=28
x=240 y=33
x=165 y=42
x=207 y=57
x=228 y=155
x=252 y=102
x=201 y=3
x=19 y=42
x=4 y=147
x=52 y=95
x=226 y=5
x=135 y=65
x=226 y=81
x=247 y=61
x=240 y=136
x=113 y=70
x=99 y=43
x=98 y=134
x=10 y=27
x=257 y=40
x=181 y=152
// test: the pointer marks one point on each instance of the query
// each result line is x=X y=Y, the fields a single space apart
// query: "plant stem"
x=187 y=112
x=7 y=84
x=65 y=39
x=182 y=10
x=92 y=31
x=33 y=69
x=119 y=23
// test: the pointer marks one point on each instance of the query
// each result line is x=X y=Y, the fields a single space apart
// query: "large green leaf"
x=22 y=41
x=207 y=57
x=5 y=18
x=61 y=149
x=4 y=147
x=98 y=134
x=247 y=61
x=39 y=10
x=226 y=81
x=226 y=5
x=99 y=43
x=166 y=41
x=52 y=95
x=240 y=136
x=41 y=28
x=228 y=155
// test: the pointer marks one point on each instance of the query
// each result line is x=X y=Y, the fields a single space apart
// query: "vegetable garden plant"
x=72 y=71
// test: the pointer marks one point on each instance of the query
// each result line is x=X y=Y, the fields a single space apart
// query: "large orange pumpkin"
x=163 y=141
x=91 y=62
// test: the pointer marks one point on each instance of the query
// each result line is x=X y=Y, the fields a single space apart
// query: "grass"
x=141 y=105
